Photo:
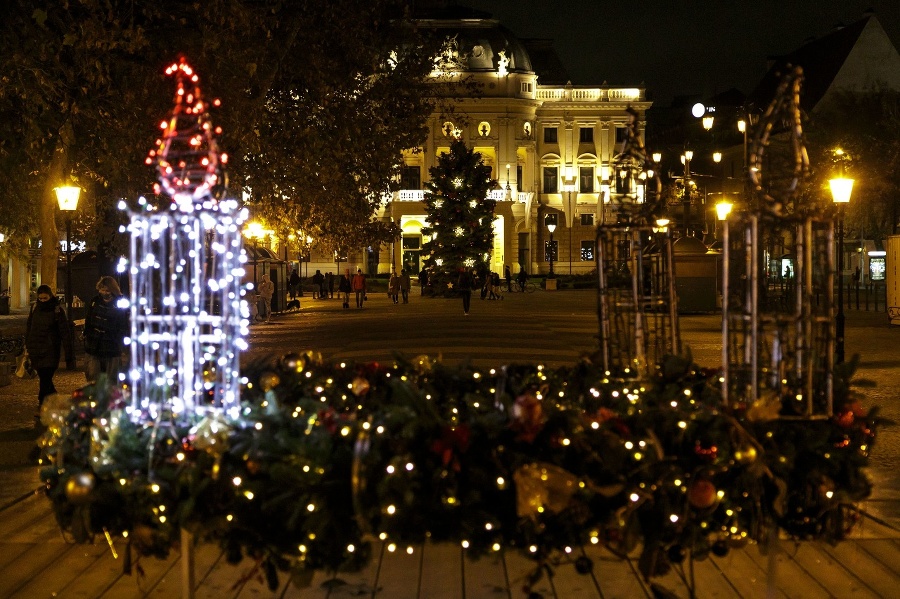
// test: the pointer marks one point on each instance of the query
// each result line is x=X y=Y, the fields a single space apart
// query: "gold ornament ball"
x=80 y=487
x=702 y=494
x=360 y=386
x=268 y=381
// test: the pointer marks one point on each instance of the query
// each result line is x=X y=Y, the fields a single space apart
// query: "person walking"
x=294 y=282
x=507 y=274
x=359 y=287
x=105 y=327
x=423 y=280
x=47 y=335
x=345 y=286
x=264 y=304
x=404 y=285
x=318 y=280
x=464 y=284
x=329 y=284
x=496 y=289
x=394 y=285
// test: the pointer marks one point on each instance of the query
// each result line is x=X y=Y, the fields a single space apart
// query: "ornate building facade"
x=549 y=145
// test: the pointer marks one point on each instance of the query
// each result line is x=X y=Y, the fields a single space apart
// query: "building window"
x=586 y=135
x=412 y=242
x=519 y=177
x=551 y=179
x=587 y=250
x=586 y=179
x=410 y=177
x=552 y=218
x=527 y=88
x=621 y=134
x=623 y=182
x=551 y=247
x=587 y=219
x=551 y=135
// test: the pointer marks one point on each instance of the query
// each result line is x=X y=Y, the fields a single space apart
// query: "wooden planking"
x=137 y=586
x=399 y=573
x=877 y=576
x=486 y=577
x=213 y=576
x=29 y=521
x=885 y=551
x=442 y=572
x=30 y=560
x=792 y=579
x=829 y=573
x=747 y=576
x=76 y=563
x=709 y=581
x=41 y=564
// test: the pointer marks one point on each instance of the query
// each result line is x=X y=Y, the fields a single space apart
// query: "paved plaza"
x=553 y=328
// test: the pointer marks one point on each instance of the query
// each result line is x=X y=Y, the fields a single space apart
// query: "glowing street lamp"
x=551 y=226
x=723 y=209
x=67 y=197
x=841 y=188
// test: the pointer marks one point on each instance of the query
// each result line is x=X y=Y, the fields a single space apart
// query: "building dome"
x=480 y=44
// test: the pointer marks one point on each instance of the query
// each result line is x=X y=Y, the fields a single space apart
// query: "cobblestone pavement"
x=553 y=328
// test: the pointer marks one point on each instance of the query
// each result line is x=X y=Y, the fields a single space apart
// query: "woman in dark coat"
x=46 y=333
x=106 y=325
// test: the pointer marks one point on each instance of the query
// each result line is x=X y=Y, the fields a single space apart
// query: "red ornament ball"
x=702 y=494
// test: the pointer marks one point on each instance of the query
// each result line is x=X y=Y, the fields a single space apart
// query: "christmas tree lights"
x=187 y=265
x=460 y=215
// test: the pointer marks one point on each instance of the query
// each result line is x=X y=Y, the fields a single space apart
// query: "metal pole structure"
x=726 y=255
x=572 y=233
x=69 y=267
x=551 y=254
x=686 y=196
x=839 y=320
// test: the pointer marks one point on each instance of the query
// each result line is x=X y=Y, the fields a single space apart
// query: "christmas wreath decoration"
x=325 y=458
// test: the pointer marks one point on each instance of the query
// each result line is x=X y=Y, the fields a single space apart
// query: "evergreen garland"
x=328 y=458
x=460 y=216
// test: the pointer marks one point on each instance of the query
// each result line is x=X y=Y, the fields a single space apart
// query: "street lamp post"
x=569 y=183
x=551 y=227
x=686 y=196
x=841 y=188
x=67 y=197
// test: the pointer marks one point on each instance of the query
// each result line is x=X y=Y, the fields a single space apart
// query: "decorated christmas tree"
x=460 y=215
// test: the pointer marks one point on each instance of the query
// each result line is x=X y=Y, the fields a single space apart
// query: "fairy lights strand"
x=188 y=314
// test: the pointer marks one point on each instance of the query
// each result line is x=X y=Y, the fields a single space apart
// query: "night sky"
x=679 y=47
